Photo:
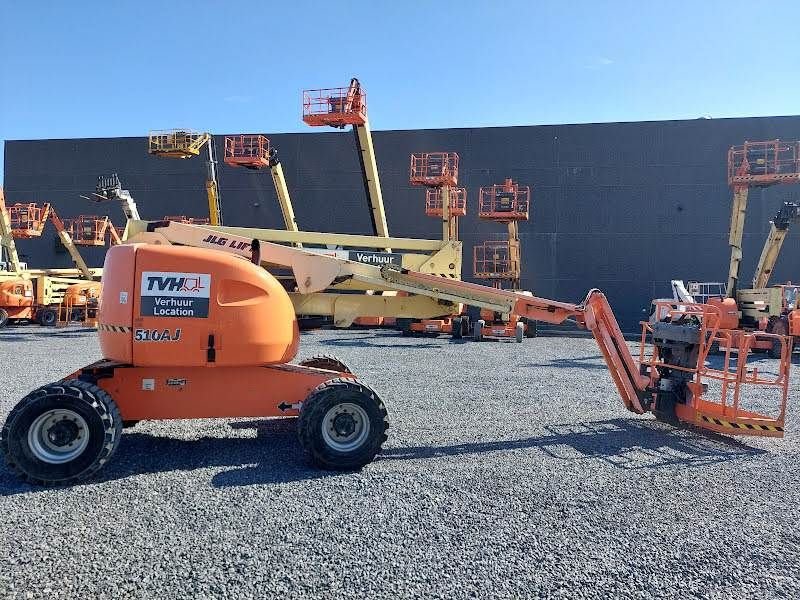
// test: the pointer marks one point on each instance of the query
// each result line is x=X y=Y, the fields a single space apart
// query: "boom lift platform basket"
x=176 y=143
x=434 y=169
x=335 y=107
x=764 y=163
x=496 y=259
x=28 y=220
x=91 y=230
x=434 y=204
x=251 y=151
x=508 y=201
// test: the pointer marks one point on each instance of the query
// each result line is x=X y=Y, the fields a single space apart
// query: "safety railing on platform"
x=434 y=169
x=434 y=205
x=764 y=163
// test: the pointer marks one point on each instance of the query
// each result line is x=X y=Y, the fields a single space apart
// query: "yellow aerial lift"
x=340 y=107
x=254 y=152
x=779 y=227
x=758 y=164
x=183 y=144
x=755 y=164
x=9 y=258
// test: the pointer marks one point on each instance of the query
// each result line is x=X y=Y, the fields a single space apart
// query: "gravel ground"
x=511 y=471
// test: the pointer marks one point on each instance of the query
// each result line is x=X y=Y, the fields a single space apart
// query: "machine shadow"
x=356 y=342
x=623 y=443
x=17 y=335
x=580 y=362
x=273 y=456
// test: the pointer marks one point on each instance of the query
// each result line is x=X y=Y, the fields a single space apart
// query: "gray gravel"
x=512 y=471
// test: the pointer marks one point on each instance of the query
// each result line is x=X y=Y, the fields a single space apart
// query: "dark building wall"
x=619 y=206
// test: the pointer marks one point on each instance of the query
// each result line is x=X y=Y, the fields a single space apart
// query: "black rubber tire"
x=477 y=332
x=519 y=332
x=327 y=362
x=3 y=318
x=458 y=332
x=92 y=403
x=530 y=327
x=47 y=317
x=779 y=327
x=316 y=406
x=404 y=326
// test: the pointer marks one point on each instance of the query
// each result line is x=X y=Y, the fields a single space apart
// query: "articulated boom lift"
x=28 y=221
x=192 y=333
x=109 y=188
x=183 y=144
x=9 y=258
x=779 y=227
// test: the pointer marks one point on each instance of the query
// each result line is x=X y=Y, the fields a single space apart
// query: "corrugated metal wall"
x=620 y=206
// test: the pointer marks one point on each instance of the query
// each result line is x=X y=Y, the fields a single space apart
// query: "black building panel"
x=620 y=206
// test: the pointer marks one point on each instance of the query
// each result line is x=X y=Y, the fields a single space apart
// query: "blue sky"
x=95 y=69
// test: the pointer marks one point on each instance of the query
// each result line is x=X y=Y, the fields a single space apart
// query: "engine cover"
x=179 y=306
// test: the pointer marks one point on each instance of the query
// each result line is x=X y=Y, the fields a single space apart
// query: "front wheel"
x=3 y=317
x=342 y=425
x=519 y=332
x=779 y=327
x=47 y=317
x=61 y=433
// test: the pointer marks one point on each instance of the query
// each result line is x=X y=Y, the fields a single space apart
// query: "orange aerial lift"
x=92 y=230
x=28 y=221
x=437 y=172
x=193 y=333
x=38 y=296
x=499 y=261
x=183 y=144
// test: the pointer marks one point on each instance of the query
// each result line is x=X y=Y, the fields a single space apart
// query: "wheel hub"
x=345 y=427
x=63 y=432
x=58 y=436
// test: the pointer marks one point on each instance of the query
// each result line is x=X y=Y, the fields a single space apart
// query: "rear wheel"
x=3 y=317
x=61 y=433
x=530 y=328
x=342 y=425
x=327 y=362
x=457 y=331
x=404 y=325
x=47 y=317
x=779 y=327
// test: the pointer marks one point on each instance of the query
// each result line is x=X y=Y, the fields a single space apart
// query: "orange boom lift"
x=191 y=332
x=500 y=261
